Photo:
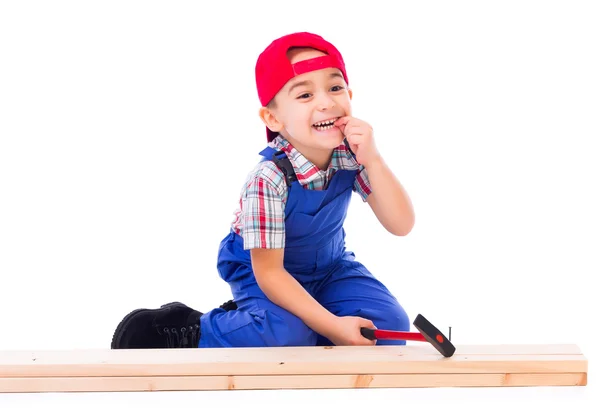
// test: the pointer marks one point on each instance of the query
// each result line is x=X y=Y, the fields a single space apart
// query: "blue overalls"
x=316 y=256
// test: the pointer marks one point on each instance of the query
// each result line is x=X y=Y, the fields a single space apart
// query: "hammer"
x=427 y=333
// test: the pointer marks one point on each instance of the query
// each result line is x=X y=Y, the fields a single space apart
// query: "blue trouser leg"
x=256 y=322
x=348 y=290
x=351 y=290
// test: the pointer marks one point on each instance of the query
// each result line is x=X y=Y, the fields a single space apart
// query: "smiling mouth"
x=325 y=125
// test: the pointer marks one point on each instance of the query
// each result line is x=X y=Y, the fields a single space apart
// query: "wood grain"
x=290 y=367
x=199 y=383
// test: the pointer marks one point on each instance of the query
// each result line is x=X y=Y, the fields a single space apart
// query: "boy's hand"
x=346 y=332
x=360 y=137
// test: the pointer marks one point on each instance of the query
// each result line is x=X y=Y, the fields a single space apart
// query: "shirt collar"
x=306 y=171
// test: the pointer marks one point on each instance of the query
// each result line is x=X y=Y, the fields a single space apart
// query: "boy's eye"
x=307 y=95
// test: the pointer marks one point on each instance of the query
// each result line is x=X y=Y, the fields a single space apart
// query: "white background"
x=127 y=129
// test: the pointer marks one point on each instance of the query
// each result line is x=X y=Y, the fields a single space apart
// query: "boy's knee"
x=395 y=318
x=392 y=317
x=398 y=319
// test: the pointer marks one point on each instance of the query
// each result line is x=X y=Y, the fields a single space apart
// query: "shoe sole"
x=118 y=334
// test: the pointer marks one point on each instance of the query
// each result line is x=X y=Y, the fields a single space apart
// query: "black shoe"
x=229 y=305
x=173 y=325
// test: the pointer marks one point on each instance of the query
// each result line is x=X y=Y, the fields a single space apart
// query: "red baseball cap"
x=274 y=70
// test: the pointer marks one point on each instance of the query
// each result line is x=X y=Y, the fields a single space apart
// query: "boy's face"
x=307 y=101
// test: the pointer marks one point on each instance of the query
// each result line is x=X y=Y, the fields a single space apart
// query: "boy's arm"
x=388 y=199
x=285 y=291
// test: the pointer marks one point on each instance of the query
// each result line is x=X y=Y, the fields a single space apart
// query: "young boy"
x=293 y=281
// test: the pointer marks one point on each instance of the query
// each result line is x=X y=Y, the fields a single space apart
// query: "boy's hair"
x=273 y=68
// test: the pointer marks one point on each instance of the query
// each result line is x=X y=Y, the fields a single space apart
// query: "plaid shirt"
x=260 y=217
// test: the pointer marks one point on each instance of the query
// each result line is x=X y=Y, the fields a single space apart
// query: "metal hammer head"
x=434 y=336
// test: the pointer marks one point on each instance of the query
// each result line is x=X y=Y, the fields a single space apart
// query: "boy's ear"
x=269 y=119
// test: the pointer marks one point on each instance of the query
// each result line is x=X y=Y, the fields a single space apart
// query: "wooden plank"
x=197 y=383
x=368 y=360
x=413 y=365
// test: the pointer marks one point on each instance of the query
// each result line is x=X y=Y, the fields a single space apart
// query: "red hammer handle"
x=391 y=335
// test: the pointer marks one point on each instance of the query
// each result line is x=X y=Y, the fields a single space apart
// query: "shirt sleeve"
x=361 y=184
x=263 y=215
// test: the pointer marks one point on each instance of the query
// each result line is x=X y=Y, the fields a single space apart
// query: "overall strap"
x=282 y=162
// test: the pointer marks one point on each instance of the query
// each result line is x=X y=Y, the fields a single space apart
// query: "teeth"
x=325 y=123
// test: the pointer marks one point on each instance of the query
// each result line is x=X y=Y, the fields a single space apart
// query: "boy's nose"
x=325 y=103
